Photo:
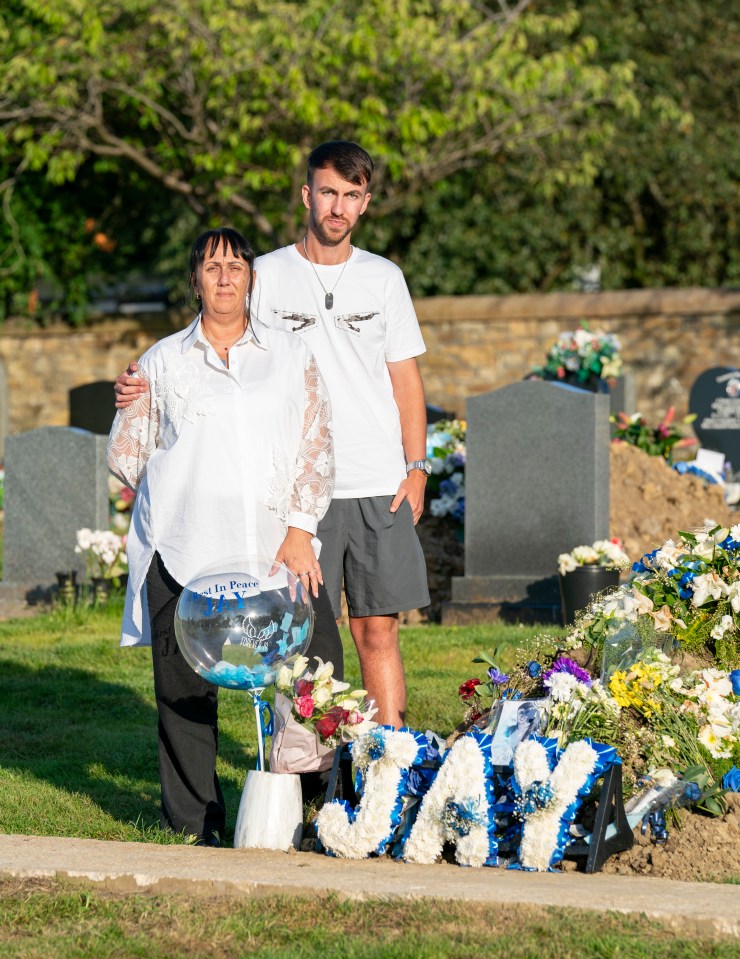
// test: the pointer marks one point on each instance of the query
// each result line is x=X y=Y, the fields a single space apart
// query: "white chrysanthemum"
x=562 y=686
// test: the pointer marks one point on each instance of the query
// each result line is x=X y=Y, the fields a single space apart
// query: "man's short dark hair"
x=346 y=158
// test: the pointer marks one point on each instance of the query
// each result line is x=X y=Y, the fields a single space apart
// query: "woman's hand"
x=296 y=552
x=129 y=387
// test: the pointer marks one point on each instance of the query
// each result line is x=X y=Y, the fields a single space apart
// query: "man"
x=354 y=310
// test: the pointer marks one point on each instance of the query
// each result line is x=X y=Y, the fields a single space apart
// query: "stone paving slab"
x=707 y=908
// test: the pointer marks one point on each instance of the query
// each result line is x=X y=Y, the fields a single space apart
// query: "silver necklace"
x=328 y=294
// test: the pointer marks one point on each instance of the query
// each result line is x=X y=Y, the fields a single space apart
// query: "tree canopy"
x=123 y=124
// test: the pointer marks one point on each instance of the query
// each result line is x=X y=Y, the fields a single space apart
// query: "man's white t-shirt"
x=372 y=323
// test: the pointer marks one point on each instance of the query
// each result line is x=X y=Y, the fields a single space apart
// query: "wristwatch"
x=424 y=465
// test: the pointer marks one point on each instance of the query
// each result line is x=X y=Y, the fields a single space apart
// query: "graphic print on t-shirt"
x=347 y=321
x=301 y=321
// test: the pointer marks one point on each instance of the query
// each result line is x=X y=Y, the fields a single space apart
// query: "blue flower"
x=735 y=680
x=448 y=488
x=534 y=668
x=458 y=510
x=731 y=780
x=455 y=460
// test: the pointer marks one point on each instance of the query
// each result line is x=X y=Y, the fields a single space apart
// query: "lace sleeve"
x=314 y=478
x=132 y=439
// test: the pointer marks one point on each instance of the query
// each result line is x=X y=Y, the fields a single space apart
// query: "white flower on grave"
x=720 y=628
x=708 y=586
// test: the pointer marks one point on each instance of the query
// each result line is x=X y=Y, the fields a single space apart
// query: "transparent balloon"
x=237 y=623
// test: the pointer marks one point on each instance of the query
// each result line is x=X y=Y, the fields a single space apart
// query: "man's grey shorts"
x=376 y=552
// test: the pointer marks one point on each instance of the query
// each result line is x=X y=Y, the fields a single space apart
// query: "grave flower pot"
x=100 y=589
x=67 y=586
x=579 y=585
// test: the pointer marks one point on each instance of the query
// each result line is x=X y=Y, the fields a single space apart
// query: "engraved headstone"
x=715 y=400
x=537 y=484
x=56 y=482
x=92 y=407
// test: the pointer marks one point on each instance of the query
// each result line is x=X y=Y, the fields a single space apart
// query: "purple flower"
x=497 y=677
x=564 y=665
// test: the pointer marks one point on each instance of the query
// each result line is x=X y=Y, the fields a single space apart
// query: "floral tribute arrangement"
x=581 y=356
x=660 y=440
x=604 y=552
x=104 y=550
x=648 y=681
x=121 y=498
x=446 y=484
x=314 y=712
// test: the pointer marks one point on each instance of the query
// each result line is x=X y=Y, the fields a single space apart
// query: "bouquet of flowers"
x=687 y=590
x=658 y=440
x=446 y=485
x=576 y=357
x=604 y=552
x=105 y=552
x=655 y=716
x=314 y=713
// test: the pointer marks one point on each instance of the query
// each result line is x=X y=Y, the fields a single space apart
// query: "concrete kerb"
x=704 y=908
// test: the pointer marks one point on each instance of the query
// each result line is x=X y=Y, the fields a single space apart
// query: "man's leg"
x=384 y=574
x=376 y=639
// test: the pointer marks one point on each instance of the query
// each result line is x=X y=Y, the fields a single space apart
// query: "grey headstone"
x=715 y=399
x=623 y=395
x=56 y=482
x=3 y=408
x=536 y=485
x=92 y=407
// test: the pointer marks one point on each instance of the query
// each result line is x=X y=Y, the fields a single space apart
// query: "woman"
x=231 y=453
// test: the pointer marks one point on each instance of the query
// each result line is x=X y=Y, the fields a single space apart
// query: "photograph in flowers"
x=646 y=684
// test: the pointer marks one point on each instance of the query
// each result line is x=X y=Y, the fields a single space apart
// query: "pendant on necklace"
x=329 y=301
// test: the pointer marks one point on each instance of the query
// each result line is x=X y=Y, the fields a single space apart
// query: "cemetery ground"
x=78 y=759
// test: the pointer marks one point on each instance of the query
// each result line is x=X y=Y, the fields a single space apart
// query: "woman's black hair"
x=211 y=240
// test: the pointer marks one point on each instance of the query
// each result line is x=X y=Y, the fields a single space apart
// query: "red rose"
x=329 y=723
x=467 y=690
x=303 y=687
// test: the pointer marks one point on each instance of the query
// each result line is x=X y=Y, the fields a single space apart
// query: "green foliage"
x=214 y=107
x=663 y=205
x=660 y=440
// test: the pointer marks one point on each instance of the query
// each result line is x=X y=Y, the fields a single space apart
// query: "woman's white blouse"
x=223 y=460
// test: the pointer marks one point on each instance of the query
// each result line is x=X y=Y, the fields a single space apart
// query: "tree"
x=663 y=208
x=217 y=105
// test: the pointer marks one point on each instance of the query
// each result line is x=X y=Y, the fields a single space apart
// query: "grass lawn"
x=78 y=724
x=78 y=758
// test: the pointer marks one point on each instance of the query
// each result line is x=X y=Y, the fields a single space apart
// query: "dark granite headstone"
x=56 y=482
x=92 y=407
x=715 y=399
x=536 y=485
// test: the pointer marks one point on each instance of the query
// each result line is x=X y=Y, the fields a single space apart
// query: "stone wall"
x=474 y=344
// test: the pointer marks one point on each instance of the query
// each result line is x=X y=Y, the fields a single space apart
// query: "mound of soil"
x=700 y=848
x=650 y=502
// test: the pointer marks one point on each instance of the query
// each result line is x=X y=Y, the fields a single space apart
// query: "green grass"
x=78 y=723
x=78 y=758
x=44 y=919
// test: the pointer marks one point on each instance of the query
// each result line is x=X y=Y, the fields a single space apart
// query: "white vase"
x=270 y=812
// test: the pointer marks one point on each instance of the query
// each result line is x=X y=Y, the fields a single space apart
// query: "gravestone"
x=92 y=407
x=3 y=408
x=56 y=482
x=536 y=485
x=715 y=400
